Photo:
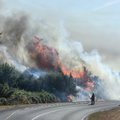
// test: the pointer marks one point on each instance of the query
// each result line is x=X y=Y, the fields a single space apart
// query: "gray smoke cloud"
x=14 y=40
x=72 y=54
x=106 y=41
x=17 y=32
x=13 y=29
x=16 y=36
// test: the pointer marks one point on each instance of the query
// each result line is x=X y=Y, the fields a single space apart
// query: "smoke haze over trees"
x=16 y=87
x=43 y=56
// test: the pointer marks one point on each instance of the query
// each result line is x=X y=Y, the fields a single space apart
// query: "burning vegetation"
x=62 y=82
x=45 y=57
x=54 y=63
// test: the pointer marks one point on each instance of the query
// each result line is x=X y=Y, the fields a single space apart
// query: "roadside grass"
x=113 y=114
x=19 y=106
x=6 y=107
x=2 y=107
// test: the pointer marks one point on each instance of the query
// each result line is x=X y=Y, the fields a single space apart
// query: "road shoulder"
x=113 y=114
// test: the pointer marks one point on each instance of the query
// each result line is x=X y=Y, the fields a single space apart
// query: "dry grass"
x=6 y=107
x=113 y=114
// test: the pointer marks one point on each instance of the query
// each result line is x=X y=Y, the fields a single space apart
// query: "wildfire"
x=44 y=56
x=48 y=58
x=74 y=73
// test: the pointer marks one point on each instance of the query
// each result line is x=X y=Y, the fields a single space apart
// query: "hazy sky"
x=96 y=23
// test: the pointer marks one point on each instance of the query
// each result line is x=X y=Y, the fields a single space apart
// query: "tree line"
x=19 y=88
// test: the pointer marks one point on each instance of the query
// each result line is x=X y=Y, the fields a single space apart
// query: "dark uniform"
x=92 y=99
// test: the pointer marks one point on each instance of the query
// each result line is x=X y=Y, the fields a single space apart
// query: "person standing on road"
x=92 y=99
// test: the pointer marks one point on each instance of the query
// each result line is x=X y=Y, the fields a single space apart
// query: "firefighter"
x=92 y=99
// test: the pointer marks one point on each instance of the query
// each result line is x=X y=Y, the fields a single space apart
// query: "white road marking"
x=10 y=115
x=45 y=114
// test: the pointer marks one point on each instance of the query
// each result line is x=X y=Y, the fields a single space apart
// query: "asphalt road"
x=73 y=111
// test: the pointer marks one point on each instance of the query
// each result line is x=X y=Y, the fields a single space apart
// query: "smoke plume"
x=73 y=55
x=26 y=44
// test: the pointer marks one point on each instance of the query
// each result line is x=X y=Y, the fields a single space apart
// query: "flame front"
x=74 y=73
x=44 y=56
x=47 y=58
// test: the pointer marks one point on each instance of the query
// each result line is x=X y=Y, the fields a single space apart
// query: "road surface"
x=60 y=111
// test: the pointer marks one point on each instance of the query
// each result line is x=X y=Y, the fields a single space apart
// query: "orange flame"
x=45 y=57
x=74 y=73
x=48 y=58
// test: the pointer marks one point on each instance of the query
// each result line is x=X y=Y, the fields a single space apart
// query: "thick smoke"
x=74 y=56
x=54 y=49
x=13 y=40
x=110 y=79
x=69 y=51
